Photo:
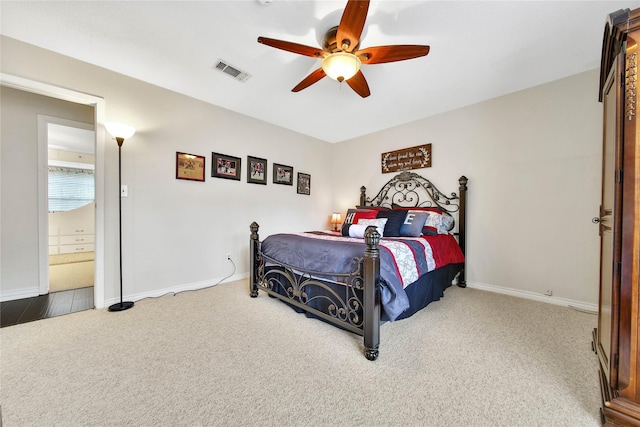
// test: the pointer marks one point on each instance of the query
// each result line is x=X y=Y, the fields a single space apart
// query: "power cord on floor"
x=199 y=289
x=582 y=310
x=215 y=284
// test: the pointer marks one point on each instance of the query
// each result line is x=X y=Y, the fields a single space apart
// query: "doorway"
x=71 y=205
x=98 y=105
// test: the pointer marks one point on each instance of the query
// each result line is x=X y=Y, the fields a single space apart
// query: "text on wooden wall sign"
x=407 y=158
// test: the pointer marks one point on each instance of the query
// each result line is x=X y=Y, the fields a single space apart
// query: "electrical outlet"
x=548 y=292
x=228 y=256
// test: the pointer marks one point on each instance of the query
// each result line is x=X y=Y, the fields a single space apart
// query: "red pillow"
x=353 y=215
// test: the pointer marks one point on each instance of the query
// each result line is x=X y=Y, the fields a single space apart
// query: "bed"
x=376 y=268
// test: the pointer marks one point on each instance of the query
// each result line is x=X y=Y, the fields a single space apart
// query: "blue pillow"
x=395 y=219
x=413 y=223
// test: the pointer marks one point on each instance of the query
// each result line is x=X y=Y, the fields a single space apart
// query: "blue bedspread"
x=332 y=254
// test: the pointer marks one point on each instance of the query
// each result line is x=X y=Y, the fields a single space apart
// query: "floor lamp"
x=120 y=132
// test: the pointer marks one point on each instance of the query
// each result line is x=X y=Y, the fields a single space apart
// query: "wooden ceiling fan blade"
x=293 y=47
x=382 y=54
x=359 y=84
x=352 y=24
x=309 y=80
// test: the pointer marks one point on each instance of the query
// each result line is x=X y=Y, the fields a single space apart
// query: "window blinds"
x=70 y=188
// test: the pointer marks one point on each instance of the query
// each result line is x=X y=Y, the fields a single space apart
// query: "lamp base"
x=121 y=306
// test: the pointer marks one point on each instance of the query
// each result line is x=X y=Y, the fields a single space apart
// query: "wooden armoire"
x=617 y=336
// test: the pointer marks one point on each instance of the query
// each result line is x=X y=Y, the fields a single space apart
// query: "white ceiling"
x=479 y=50
x=69 y=138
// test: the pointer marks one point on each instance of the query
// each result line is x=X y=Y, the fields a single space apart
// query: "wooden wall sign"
x=407 y=158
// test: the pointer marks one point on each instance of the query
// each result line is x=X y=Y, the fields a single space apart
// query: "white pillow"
x=379 y=223
x=357 y=230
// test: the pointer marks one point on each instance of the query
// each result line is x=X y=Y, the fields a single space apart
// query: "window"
x=70 y=188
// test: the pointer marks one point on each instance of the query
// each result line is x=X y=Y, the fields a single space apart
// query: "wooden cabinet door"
x=609 y=237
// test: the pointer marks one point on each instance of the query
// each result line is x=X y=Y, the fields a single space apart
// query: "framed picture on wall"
x=256 y=170
x=224 y=166
x=282 y=174
x=304 y=183
x=189 y=166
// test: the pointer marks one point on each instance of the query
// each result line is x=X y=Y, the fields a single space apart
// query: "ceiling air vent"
x=231 y=70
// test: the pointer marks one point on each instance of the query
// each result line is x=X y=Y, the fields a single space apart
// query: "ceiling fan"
x=341 y=58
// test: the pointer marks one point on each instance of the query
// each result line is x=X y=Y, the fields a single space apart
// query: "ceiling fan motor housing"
x=329 y=42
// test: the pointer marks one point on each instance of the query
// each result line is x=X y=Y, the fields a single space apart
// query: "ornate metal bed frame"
x=355 y=305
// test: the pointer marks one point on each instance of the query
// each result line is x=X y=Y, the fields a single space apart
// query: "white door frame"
x=98 y=103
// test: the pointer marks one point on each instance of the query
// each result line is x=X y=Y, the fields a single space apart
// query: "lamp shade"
x=119 y=130
x=341 y=65
x=335 y=218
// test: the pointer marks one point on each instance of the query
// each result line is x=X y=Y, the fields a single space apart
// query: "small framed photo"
x=256 y=170
x=282 y=174
x=224 y=166
x=304 y=183
x=189 y=166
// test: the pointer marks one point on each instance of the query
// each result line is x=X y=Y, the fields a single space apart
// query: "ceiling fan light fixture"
x=341 y=66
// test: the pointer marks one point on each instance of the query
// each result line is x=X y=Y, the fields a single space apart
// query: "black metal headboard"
x=408 y=189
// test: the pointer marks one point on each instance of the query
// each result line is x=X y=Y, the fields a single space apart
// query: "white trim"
x=579 y=305
x=98 y=103
x=48 y=90
x=19 y=294
x=98 y=284
x=178 y=288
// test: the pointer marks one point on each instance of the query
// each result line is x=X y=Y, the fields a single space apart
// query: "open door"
x=609 y=230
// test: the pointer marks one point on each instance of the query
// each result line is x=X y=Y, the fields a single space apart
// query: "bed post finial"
x=372 y=238
x=254 y=249
x=363 y=195
x=371 y=297
x=254 y=230
x=463 y=183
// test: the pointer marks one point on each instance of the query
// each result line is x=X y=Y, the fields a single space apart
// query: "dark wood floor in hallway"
x=45 y=306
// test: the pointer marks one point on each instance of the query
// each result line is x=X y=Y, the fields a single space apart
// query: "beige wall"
x=175 y=233
x=532 y=159
x=19 y=206
x=533 y=163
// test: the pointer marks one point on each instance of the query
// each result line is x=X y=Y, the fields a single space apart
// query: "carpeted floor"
x=71 y=271
x=218 y=357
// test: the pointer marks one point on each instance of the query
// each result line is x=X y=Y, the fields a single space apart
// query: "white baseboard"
x=177 y=289
x=34 y=292
x=579 y=305
x=19 y=294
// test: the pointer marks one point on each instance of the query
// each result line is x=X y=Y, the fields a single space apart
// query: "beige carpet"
x=71 y=271
x=217 y=357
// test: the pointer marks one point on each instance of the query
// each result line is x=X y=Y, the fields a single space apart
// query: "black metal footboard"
x=351 y=301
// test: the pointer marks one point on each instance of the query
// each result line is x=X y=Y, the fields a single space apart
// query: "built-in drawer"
x=68 y=231
x=68 y=249
x=78 y=239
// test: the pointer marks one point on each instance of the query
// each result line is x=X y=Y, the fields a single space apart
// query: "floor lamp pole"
x=120 y=306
